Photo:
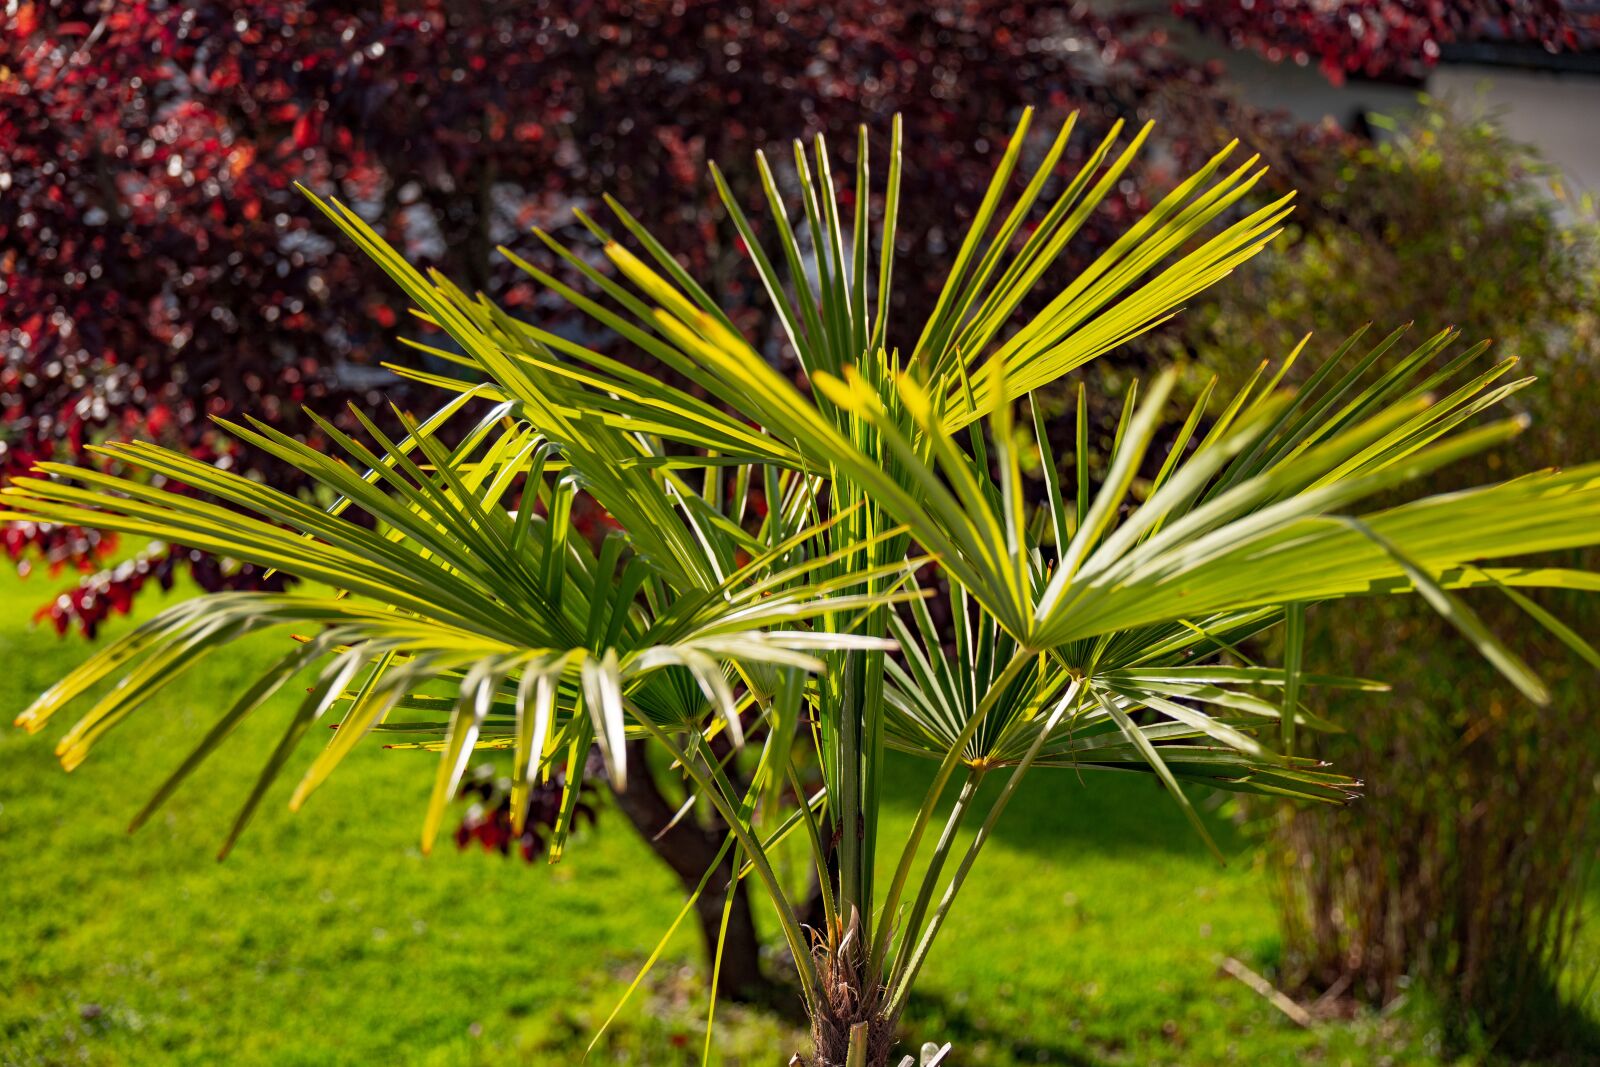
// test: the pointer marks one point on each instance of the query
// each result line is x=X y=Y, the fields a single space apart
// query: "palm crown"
x=764 y=576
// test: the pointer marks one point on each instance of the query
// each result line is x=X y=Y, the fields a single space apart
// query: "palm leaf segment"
x=1085 y=628
x=1235 y=526
x=538 y=643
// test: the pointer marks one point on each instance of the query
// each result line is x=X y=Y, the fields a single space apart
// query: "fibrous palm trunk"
x=850 y=1028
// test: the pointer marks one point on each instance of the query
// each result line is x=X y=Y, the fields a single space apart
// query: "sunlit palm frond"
x=1095 y=623
x=447 y=586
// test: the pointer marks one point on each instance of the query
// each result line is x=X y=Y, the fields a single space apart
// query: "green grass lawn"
x=1088 y=934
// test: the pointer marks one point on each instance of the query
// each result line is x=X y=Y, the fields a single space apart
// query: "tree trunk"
x=850 y=1011
x=688 y=848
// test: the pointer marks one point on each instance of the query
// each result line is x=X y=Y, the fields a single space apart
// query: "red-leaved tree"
x=157 y=265
x=1389 y=38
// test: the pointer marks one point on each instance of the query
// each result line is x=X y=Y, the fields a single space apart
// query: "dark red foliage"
x=488 y=818
x=106 y=592
x=1388 y=38
x=158 y=267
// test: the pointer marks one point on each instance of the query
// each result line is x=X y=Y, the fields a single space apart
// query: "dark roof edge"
x=1520 y=56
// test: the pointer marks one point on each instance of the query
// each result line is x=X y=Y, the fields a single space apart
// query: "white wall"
x=1301 y=91
x=1559 y=114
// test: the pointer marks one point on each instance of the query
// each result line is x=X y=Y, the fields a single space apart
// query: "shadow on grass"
x=947 y=1021
x=1108 y=812
x=1545 y=1028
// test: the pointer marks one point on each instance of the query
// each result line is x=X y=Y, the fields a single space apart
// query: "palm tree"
x=782 y=551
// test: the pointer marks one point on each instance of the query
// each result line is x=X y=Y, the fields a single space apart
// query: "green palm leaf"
x=764 y=581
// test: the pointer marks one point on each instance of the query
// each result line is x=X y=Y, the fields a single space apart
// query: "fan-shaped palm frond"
x=1095 y=624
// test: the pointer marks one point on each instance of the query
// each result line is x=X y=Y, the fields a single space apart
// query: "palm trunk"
x=851 y=1030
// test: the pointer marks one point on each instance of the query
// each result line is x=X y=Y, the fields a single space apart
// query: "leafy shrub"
x=1462 y=867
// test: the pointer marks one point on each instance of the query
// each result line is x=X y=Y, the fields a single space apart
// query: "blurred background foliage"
x=1461 y=870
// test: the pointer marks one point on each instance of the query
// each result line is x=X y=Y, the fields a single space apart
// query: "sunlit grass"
x=1088 y=936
